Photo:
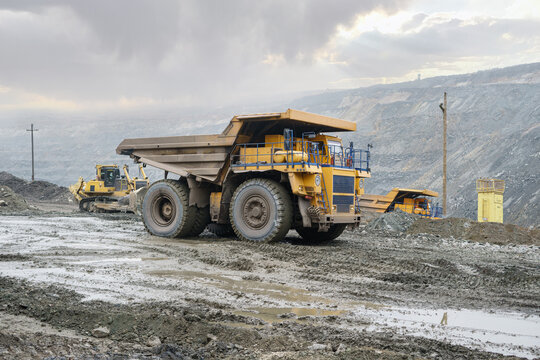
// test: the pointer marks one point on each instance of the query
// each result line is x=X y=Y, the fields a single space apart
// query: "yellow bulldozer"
x=110 y=191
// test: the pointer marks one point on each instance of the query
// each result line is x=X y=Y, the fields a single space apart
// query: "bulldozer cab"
x=108 y=174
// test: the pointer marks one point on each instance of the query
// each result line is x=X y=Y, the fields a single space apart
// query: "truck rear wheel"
x=312 y=235
x=221 y=230
x=261 y=210
x=166 y=211
x=202 y=218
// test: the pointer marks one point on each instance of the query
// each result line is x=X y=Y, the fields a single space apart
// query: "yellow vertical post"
x=490 y=200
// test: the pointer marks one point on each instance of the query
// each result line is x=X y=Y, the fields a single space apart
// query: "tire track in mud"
x=371 y=268
x=358 y=265
x=194 y=331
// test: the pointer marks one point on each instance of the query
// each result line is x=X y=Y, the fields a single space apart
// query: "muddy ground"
x=367 y=295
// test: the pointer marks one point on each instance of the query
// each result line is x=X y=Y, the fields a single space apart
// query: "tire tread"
x=283 y=205
x=182 y=190
x=313 y=236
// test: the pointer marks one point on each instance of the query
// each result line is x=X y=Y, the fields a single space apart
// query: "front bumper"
x=337 y=219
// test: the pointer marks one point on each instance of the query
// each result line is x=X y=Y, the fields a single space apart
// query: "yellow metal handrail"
x=490 y=185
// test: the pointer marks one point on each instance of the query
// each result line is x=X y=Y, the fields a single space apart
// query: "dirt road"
x=364 y=296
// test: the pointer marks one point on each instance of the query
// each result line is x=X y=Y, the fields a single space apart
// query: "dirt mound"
x=393 y=222
x=10 y=201
x=36 y=190
x=481 y=232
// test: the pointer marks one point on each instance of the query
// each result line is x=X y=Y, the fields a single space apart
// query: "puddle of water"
x=240 y=325
x=272 y=315
x=365 y=304
x=275 y=291
x=115 y=260
x=507 y=333
x=195 y=242
x=119 y=260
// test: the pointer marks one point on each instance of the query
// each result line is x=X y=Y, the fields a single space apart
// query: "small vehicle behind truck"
x=412 y=201
x=110 y=191
x=262 y=176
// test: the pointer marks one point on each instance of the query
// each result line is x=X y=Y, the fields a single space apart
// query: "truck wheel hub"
x=166 y=210
x=256 y=212
x=163 y=211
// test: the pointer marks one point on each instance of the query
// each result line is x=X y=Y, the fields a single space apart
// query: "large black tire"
x=166 y=211
x=222 y=230
x=202 y=218
x=261 y=210
x=313 y=236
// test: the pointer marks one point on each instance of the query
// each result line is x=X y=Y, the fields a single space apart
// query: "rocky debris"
x=39 y=345
x=368 y=216
x=101 y=332
x=11 y=201
x=341 y=348
x=393 y=222
x=36 y=190
x=398 y=222
x=467 y=229
x=153 y=341
x=317 y=347
x=493 y=133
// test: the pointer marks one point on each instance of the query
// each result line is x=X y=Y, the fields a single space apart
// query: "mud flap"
x=303 y=205
x=199 y=193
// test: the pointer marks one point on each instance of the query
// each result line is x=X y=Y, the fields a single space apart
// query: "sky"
x=82 y=55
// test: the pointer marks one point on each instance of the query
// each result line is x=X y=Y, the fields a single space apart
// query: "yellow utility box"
x=490 y=200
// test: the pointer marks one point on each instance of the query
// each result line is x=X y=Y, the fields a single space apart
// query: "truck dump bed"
x=381 y=203
x=200 y=155
x=207 y=156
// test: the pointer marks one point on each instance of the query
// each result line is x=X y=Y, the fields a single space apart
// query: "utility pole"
x=444 y=110
x=32 y=139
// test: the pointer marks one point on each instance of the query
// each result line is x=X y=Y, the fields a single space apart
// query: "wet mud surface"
x=363 y=296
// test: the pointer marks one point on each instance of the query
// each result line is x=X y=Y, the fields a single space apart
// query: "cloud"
x=425 y=42
x=194 y=52
x=136 y=48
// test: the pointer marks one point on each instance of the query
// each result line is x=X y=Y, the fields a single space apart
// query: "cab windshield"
x=335 y=148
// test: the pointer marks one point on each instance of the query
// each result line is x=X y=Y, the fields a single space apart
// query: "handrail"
x=317 y=155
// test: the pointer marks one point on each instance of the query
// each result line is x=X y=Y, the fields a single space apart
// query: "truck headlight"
x=317 y=180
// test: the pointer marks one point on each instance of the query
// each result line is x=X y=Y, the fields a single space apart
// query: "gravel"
x=36 y=190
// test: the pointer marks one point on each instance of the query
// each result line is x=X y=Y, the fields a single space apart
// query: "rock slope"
x=493 y=131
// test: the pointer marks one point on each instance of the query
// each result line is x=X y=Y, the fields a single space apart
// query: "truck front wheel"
x=312 y=235
x=166 y=211
x=261 y=210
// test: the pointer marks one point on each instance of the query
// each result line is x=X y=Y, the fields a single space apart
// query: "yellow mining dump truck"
x=263 y=175
x=412 y=201
x=109 y=191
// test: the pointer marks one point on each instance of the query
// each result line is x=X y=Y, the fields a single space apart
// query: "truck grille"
x=344 y=184
x=343 y=203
